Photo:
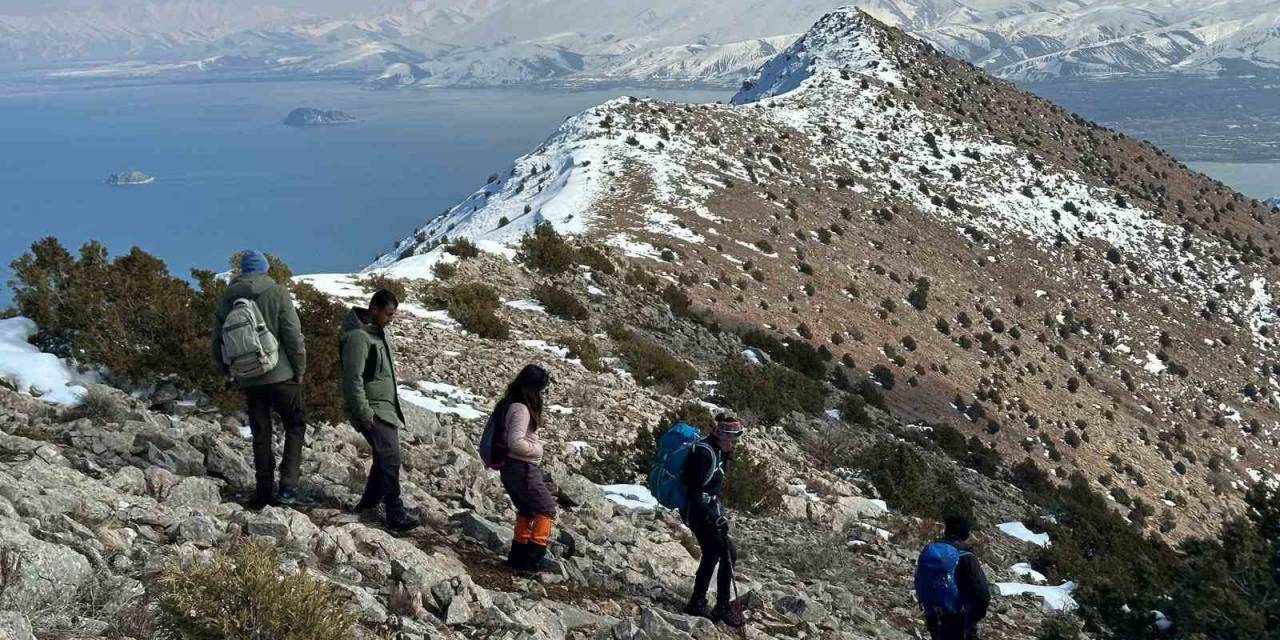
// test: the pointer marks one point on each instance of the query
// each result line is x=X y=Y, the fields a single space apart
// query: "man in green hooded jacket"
x=372 y=404
x=280 y=388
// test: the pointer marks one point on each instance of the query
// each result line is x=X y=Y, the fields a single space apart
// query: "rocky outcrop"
x=307 y=117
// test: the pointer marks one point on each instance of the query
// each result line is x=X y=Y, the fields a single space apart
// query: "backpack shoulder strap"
x=716 y=462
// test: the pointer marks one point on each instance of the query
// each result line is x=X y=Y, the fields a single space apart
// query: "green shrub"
x=377 y=281
x=463 y=248
x=750 y=484
x=321 y=318
x=596 y=259
x=884 y=376
x=546 y=251
x=560 y=302
x=475 y=306
x=650 y=363
x=444 y=270
x=638 y=276
x=967 y=452
x=871 y=394
x=129 y=315
x=853 y=410
x=919 y=296
x=910 y=484
x=585 y=350
x=244 y=596
x=796 y=354
x=770 y=391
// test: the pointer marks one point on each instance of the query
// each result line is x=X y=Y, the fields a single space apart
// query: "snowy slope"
x=816 y=86
x=514 y=41
x=1081 y=280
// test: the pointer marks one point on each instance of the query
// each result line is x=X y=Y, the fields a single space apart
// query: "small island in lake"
x=306 y=117
x=129 y=177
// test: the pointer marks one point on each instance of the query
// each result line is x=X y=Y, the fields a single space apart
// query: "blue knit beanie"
x=253 y=261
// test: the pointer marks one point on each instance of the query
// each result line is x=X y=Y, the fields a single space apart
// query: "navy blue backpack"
x=936 y=587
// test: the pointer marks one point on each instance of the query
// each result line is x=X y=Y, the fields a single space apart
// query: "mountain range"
x=924 y=289
x=492 y=42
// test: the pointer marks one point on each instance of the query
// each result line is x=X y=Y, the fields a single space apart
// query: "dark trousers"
x=528 y=489
x=384 y=472
x=286 y=399
x=951 y=627
x=717 y=551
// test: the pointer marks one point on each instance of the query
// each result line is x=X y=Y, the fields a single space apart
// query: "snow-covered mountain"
x=710 y=41
x=1090 y=303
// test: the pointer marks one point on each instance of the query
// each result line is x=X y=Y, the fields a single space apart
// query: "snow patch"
x=438 y=397
x=1055 y=598
x=1020 y=531
x=39 y=374
x=631 y=496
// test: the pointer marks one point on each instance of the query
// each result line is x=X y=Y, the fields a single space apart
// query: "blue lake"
x=229 y=175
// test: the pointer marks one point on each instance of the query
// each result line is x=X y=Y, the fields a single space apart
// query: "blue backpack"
x=936 y=587
x=665 y=482
x=493 y=440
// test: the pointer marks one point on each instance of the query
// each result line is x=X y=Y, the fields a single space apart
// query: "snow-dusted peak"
x=846 y=39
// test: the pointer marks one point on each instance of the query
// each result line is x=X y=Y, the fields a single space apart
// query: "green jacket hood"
x=359 y=319
x=250 y=285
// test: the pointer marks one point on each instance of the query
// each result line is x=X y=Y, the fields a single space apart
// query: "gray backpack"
x=248 y=347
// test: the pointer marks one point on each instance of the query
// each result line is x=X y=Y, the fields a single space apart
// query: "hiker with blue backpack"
x=689 y=476
x=511 y=444
x=950 y=586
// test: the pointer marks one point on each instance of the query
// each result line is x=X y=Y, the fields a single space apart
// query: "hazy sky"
x=323 y=7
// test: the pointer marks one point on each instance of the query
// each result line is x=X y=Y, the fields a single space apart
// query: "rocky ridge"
x=1080 y=297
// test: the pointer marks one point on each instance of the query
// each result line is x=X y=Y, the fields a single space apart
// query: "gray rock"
x=493 y=536
x=37 y=573
x=198 y=529
x=129 y=480
x=194 y=492
x=224 y=462
x=284 y=525
x=15 y=626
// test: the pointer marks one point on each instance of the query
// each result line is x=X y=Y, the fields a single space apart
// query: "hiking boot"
x=519 y=556
x=365 y=504
x=401 y=521
x=290 y=497
x=536 y=560
x=729 y=615
x=698 y=608
x=260 y=501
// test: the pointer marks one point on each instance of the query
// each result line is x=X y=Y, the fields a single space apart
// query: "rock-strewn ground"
x=89 y=510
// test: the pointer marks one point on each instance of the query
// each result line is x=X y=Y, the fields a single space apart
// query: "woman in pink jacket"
x=522 y=476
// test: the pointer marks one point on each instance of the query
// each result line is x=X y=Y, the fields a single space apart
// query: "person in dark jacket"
x=280 y=389
x=975 y=593
x=520 y=410
x=372 y=403
x=703 y=478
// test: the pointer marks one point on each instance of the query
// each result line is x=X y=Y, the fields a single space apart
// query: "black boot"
x=518 y=559
x=399 y=520
x=728 y=614
x=698 y=607
x=262 y=498
x=536 y=560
